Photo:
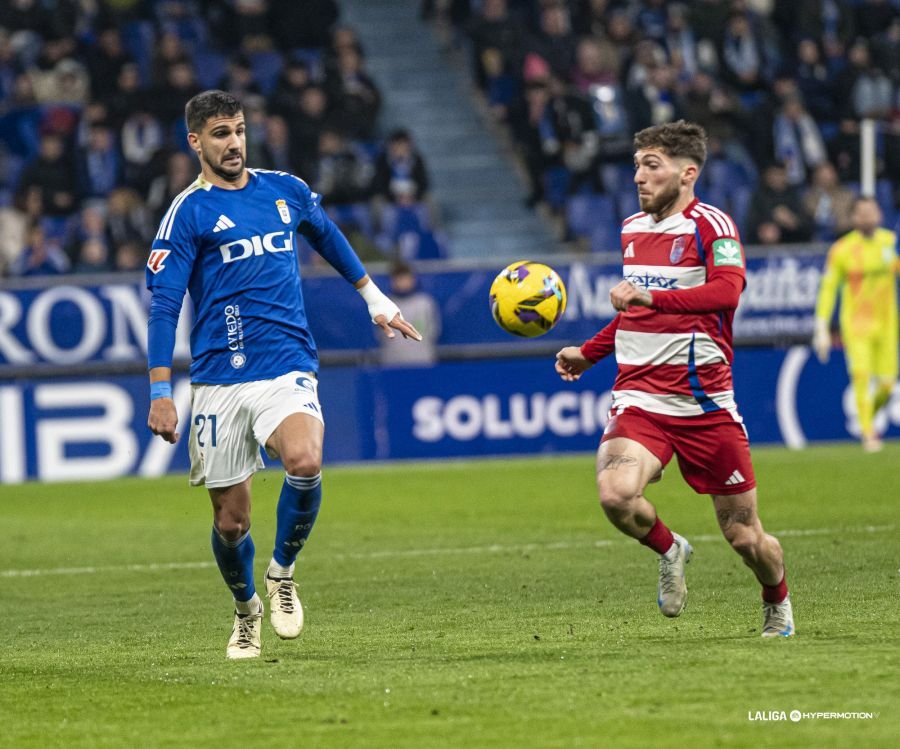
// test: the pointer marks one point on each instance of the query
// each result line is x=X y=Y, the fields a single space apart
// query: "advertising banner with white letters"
x=66 y=428
x=76 y=323
x=74 y=399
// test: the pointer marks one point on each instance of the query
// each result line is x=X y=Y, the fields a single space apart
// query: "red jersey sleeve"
x=602 y=344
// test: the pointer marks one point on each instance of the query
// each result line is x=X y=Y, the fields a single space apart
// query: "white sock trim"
x=253 y=606
x=276 y=570
x=303 y=483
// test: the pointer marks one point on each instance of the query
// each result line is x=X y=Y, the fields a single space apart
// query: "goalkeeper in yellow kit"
x=862 y=265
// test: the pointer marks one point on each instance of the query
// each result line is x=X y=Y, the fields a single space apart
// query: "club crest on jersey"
x=677 y=251
x=283 y=211
x=156 y=261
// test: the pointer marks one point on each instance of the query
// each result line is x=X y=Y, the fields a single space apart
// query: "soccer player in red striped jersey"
x=684 y=273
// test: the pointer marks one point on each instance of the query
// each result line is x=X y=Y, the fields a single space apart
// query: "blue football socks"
x=298 y=506
x=235 y=560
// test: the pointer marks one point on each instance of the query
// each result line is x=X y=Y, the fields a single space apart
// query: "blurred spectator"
x=747 y=60
x=886 y=50
x=130 y=256
x=306 y=126
x=275 y=150
x=41 y=257
x=497 y=42
x=596 y=64
x=342 y=38
x=65 y=83
x=292 y=81
x=557 y=130
x=124 y=96
x=688 y=53
x=400 y=173
x=867 y=91
x=827 y=20
x=776 y=214
x=798 y=142
x=652 y=19
x=554 y=41
x=357 y=99
x=168 y=51
x=181 y=171
x=93 y=257
x=829 y=203
x=91 y=226
x=343 y=173
x=251 y=25
x=239 y=79
x=169 y=98
x=15 y=220
x=51 y=172
x=99 y=163
x=127 y=218
x=815 y=82
x=419 y=308
x=142 y=140
x=657 y=99
x=105 y=61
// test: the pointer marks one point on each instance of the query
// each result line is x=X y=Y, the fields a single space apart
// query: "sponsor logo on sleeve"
x=727 y=252
x=156 y=261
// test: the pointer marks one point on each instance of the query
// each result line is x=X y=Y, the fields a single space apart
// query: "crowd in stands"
x=781 y=88
x=92 y=94
x=93 y=141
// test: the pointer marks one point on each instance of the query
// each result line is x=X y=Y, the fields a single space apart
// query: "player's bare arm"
x=571 y=363
x=384 y=313
x=163 y=418
x=625 y=293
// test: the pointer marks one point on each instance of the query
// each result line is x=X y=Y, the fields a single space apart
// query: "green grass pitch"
x=457 y=604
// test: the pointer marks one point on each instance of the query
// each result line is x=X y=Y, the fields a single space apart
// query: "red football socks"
x=775 y=593
x=660 y=538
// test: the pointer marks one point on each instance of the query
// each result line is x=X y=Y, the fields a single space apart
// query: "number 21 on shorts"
x=200 y=422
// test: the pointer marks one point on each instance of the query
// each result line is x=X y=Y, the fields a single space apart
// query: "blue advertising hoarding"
x=106 y=323
x=65 y=428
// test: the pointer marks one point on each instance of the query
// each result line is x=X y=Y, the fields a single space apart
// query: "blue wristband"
x=162 y=389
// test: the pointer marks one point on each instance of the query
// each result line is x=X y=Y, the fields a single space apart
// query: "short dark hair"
x=865 y=199
x=209 y=104
x=685 y=140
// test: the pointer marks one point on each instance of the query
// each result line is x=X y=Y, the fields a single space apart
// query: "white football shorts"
x=229 y=423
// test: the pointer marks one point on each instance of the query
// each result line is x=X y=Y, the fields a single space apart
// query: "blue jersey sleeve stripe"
x=165 y=226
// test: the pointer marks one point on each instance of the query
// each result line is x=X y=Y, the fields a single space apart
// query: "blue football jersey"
x=235 y=251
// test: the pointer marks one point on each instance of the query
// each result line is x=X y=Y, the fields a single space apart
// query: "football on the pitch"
x=527 y=299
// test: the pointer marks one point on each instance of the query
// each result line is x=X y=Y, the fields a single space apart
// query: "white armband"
x=378 y=302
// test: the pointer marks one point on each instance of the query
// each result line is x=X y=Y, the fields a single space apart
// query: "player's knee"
x=302 y=462
x=746 y=540
x=616 y=492
x=232 y=525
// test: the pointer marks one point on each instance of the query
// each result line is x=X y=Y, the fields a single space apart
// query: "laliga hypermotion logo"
x=156 y=261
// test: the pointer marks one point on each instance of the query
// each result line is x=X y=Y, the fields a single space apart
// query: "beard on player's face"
x=225 y=165
x=661 y=199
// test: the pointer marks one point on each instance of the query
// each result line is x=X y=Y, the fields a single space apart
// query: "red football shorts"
x=713 y=450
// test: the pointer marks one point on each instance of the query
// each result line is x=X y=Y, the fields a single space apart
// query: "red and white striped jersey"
x=675 y=357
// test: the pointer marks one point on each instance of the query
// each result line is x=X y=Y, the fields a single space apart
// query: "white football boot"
x=245 y=636
x=672 y=591
x=778 y=619
x=285 y=609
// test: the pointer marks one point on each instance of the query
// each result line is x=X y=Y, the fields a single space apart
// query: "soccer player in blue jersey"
x=230 y=240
